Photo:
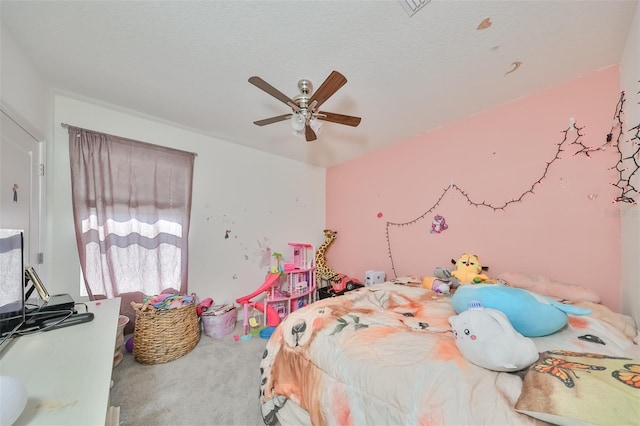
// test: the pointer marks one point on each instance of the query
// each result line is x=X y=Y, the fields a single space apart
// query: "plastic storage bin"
x=118 y=354
x=218 y=326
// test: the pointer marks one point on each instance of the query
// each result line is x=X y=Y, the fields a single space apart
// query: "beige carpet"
x=215 y=384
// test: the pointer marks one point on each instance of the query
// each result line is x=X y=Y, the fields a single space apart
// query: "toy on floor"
x=531 y=314
x=204 y=305
x=486 y=338
x=256 y=322
x=266 y=332
x=291 y=287
x=337 y=283
x=324 y=271
x=129 y=345
x=273 y=318
x=341 y=283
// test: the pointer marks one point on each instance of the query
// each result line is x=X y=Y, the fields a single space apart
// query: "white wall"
x=629 y=76
x=264 y=200
x=22 y=89
x=25 y=98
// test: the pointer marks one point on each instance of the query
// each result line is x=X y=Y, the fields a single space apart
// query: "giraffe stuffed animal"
x=323 y=271
x=336 y=283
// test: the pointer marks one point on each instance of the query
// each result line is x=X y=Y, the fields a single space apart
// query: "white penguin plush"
x=486 y=338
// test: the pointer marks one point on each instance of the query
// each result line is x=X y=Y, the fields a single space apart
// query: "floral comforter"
x=385 y=354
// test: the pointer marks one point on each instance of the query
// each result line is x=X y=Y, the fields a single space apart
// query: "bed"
x=386 y=355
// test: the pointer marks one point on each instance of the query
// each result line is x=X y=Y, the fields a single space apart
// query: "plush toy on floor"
x=486 y=338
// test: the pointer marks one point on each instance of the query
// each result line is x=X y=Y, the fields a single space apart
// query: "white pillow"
x=550 y=287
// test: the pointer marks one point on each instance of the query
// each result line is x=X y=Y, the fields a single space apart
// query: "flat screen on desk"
x=12 y=310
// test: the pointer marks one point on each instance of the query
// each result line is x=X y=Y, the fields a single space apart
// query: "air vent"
x=412 y=6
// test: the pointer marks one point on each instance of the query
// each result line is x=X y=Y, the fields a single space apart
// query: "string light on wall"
x=625 y=164
x=495 y=207
x=626 y=167
x=617 y=124
x=624 y=183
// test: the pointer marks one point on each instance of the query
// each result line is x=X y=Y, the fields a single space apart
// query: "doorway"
x=21 y=184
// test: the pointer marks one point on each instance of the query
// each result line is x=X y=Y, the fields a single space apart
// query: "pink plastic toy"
x=204 y=305
x=273 y=319
x=282 y=297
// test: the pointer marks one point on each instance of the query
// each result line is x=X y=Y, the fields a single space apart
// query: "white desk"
x=67 y=371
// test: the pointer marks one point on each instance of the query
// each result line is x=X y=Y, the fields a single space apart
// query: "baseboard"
x=113 y=416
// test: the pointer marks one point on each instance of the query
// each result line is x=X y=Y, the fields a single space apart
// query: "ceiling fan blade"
x=328 y=88
x=348 y=120
x=263 y=85
x=309 y=134
x=272 y=120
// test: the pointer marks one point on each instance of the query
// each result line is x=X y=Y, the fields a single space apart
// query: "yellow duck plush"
x=469 y=270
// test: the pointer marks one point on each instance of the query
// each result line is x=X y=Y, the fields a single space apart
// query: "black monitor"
x=12 y=302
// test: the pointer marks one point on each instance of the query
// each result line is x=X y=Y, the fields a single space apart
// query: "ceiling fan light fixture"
x=305 y=107
x=298 y=121
x=316 y=125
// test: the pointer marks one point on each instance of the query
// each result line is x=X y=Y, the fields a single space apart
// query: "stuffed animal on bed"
x=531 y=314
x=442 y=282
x=469 y=270
x=486 y=338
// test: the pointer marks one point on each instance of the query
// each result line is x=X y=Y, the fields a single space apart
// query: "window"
x=132 y=207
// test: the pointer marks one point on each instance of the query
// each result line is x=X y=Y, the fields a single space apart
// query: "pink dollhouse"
x=296 y=286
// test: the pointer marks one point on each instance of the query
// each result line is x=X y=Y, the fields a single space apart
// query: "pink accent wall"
x=493 y=157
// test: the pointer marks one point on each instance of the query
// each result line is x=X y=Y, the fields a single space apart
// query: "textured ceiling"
x=187 y=62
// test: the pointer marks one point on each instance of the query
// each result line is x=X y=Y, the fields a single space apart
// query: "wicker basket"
x=164 y=335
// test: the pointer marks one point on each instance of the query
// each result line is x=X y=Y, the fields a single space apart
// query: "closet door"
x=21 y=184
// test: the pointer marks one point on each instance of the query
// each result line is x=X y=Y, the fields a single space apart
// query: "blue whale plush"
x=531 y=314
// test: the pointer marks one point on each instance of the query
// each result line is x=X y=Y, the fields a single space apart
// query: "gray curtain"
x=132 y=207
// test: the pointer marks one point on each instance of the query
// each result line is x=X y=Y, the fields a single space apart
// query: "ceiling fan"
x=305 y=106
